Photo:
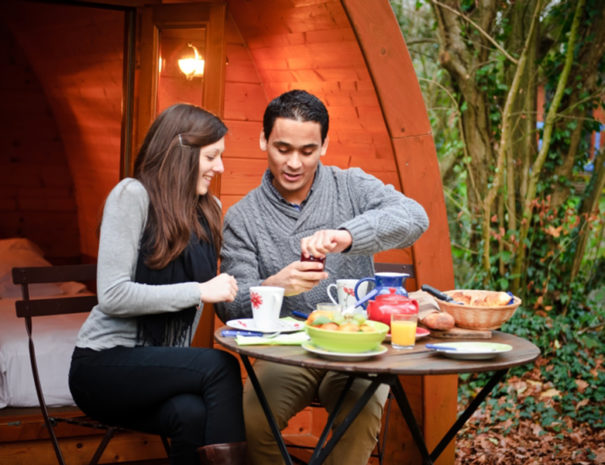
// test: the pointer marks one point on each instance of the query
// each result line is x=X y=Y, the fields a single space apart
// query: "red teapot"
x=384 y=305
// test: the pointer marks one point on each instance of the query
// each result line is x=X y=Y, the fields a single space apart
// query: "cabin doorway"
x=63 y=141
x=81 y=83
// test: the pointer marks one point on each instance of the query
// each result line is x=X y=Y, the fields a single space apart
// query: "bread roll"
x=491 y=299
x=497 y=299
x=439 y=320
x=461 y=297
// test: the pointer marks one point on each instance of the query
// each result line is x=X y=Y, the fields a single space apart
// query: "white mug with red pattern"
x=345 y=292
x=266 y=305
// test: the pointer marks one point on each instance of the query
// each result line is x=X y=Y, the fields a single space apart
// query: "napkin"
x=290 y=339
x=426 y=303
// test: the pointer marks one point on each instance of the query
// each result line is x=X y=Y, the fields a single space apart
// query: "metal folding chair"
x=28 y=309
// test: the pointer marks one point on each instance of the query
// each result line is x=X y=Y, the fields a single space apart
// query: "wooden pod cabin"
x=83 y=80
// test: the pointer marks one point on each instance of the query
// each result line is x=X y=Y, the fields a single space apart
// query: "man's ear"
x=324 y=146
x=262 y=141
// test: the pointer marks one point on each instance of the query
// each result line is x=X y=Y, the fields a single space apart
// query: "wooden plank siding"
x=317 y=52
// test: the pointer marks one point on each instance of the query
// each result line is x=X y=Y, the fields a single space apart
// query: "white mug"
x=345 y=292
x=266 y=306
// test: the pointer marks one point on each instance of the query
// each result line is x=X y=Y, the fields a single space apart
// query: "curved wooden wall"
x=76 y=54
x=36 y=187
x=410 y=132
x=359 y=65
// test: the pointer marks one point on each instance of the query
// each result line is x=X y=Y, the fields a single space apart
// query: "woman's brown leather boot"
x=229 y=453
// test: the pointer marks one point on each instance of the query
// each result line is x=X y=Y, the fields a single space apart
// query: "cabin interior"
x=83 y=80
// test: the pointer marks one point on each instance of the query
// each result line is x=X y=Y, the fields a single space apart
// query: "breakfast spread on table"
x=345 y=331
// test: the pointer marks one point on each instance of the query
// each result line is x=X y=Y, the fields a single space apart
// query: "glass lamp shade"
x=192 y=65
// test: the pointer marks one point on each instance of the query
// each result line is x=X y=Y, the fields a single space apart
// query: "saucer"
x=420 y=333
x=343 y=356
x=286 y=325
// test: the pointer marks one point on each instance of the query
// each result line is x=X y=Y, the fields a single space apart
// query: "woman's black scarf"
x=196 y=263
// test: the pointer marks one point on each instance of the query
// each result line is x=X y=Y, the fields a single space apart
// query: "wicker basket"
x=476 y=317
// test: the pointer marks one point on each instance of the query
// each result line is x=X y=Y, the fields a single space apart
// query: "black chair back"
x=28 y=309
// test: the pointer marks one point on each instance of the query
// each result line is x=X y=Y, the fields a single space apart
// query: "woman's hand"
x=221 y=288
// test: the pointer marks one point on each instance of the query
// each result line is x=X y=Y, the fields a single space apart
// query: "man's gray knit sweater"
x=262 y=232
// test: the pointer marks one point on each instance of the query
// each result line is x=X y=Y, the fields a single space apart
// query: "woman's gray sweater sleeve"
x=124 y=218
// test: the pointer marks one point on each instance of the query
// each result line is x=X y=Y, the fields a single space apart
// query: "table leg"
x=268 y=413
x=321 y=453
x=408 y=415
x=464 y=416
x=331 y=419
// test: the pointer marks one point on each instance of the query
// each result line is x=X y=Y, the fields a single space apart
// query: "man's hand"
x=326 y=241
x=297 y=277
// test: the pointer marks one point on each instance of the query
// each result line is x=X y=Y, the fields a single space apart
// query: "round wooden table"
x=385 y=369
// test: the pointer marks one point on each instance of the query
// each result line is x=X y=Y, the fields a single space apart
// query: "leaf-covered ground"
x=502 y=432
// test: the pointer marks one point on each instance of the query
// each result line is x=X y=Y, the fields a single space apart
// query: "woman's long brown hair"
x=168 y=166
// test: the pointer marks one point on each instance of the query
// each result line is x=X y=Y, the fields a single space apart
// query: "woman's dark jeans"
x=191 y=395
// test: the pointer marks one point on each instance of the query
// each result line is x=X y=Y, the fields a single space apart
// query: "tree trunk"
x=589 y=209
x=504 y=147
x=585 y=73
x=523 y=111
x=539 y=161
x=462 y=58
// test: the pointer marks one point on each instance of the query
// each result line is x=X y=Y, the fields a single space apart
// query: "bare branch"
x=479 y=28
x=460 y=129
x=410 y=43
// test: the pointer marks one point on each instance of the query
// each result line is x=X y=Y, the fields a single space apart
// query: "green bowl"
x=343 y=341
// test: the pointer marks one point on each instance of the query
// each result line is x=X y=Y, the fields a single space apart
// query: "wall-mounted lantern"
x=192 y=63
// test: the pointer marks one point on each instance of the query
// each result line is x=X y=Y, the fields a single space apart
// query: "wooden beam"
x=392 y=72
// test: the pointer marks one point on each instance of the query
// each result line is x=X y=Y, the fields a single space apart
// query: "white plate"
x=286 y=325
x=343 y=356
x=470 y=350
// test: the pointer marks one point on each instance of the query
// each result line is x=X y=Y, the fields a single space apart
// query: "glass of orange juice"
x=403 y=330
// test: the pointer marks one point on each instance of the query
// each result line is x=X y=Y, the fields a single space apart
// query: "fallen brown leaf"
x=581 y=384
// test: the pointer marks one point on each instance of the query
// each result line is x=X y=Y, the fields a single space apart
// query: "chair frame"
x=28 y=309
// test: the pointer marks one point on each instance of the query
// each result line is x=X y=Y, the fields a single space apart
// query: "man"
x=304 y=207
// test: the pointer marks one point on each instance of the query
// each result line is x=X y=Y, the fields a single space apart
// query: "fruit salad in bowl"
x=344 y=333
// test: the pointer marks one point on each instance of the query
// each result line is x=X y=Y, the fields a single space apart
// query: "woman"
x=159 y=242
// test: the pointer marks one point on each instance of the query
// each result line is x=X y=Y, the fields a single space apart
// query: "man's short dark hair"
x=297 y=105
